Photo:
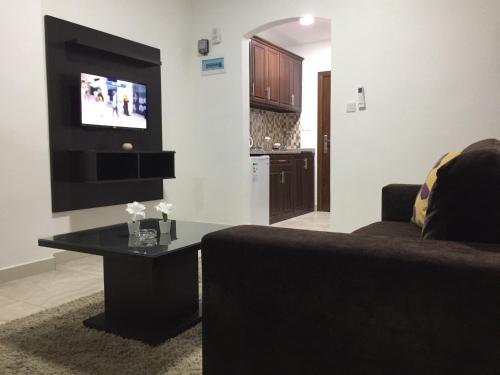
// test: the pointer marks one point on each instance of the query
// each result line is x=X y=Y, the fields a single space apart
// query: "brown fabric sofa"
x=378 y=301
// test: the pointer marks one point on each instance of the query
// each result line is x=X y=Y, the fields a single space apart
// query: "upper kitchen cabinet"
x=264 y=70
x=290 y=82
x=275 y=77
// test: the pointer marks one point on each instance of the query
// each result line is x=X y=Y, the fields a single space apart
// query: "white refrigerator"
x=259 y=195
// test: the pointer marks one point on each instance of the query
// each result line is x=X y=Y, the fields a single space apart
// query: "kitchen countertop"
x=290 y=151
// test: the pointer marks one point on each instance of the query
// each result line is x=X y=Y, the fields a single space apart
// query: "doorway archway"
x=309 y=115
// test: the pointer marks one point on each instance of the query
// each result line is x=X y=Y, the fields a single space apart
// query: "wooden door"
x=324 y=94
x=258 y=72
x=273 y=75
x=296 y=85
x=285 y=81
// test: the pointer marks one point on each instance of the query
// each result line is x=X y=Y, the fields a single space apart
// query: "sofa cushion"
x=464 y=204
x=391 y=229
x=422 y=199
x=485 y=144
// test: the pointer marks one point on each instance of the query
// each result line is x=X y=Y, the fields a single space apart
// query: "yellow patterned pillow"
x=422 y=200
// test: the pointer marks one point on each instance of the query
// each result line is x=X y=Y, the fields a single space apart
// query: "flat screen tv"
x=113 y=103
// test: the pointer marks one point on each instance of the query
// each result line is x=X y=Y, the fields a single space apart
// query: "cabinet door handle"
x=325 y=144
x=268 y=93
x=253 y=88
x=293 y=99
x=305 y=163
x=282 y=177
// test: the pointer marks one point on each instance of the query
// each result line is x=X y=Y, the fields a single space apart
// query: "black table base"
x=150 y=287
x=149 y=299
x=150 y=335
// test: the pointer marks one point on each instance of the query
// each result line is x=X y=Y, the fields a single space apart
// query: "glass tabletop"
x=116 y=239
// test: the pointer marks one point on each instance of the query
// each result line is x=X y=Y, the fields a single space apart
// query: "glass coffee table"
x=150 y=287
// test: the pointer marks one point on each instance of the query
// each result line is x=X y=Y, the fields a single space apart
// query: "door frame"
x=323 y=202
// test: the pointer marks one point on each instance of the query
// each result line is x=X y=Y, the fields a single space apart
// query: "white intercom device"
x=361 y=98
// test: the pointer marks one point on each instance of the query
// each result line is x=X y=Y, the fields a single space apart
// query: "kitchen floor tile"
x=320 y=221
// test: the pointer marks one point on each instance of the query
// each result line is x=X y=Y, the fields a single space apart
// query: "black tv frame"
x=70 y=50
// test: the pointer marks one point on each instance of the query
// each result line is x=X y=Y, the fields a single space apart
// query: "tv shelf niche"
x=89 y=166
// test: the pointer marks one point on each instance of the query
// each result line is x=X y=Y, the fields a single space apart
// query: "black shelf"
x=111 y=49
x=103 y=176
x=89 y=166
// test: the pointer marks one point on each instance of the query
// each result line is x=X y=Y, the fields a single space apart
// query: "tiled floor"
x=70 y=281
x=312 y=221
x=81 y=277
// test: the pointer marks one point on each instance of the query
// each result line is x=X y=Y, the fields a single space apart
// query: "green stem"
x=165 y=216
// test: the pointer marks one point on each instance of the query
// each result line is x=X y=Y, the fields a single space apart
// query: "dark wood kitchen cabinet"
x=291 y=185
x=304 y=194
x=282 y=190
x=290 y=83
x=264 y=72
x=275 y=77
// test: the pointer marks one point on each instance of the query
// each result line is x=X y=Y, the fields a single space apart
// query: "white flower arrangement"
x=165 y=209
x=135 y=209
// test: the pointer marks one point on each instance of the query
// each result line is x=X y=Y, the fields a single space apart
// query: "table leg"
x=149 y=299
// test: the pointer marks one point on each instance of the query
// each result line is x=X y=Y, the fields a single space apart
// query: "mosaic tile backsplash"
x=283 y=128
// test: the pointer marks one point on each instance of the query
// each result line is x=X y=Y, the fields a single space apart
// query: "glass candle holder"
x=146 y=234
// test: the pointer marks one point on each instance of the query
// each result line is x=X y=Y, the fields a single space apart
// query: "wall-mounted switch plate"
x=216 y=35
x=361 y=98
x=351 y=107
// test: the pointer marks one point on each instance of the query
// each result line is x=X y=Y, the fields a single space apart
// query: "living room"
x=430 y=71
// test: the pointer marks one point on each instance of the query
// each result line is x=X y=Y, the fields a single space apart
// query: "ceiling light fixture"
x=306 y=20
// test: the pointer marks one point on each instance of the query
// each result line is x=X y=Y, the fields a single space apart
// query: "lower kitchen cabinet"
x=304 y=201
x=291 y=185
x=282 y=190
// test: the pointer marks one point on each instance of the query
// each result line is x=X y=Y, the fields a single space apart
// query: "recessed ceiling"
x=293 y=33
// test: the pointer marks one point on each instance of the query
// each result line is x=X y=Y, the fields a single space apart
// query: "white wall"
x=24 y=153
x=430 y=70
x=317 y=58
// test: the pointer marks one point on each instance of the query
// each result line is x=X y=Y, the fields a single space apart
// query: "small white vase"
x=165 y=239
x=133 y=227
x=165 y=226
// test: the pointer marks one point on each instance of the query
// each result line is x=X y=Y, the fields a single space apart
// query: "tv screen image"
x=111 y=102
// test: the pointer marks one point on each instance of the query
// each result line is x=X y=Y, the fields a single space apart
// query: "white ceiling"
x=293 y=33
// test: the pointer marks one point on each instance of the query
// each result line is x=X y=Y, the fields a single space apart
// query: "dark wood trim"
x=323 y=170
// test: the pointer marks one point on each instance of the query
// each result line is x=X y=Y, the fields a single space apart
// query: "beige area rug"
x=55 y=342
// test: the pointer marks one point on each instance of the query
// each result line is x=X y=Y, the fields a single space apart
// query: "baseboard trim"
x=27 y=269
x=40 y=266
x=64 y=256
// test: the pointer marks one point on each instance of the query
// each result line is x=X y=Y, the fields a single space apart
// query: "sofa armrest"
x=398 y=201
x=283 y=301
